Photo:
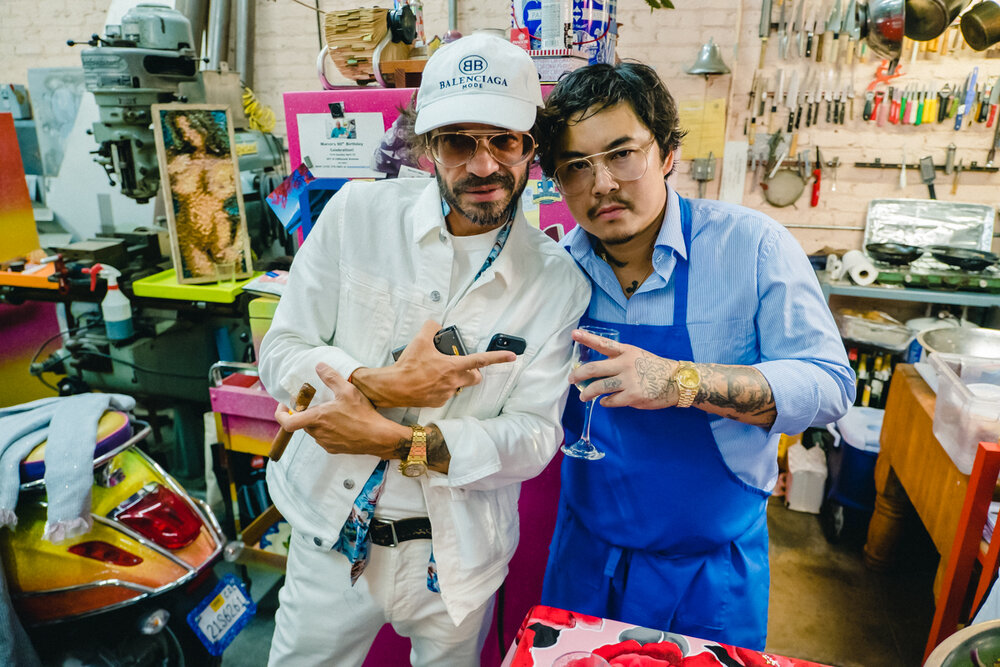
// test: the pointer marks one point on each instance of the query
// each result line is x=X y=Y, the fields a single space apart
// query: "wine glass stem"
x=589 y=410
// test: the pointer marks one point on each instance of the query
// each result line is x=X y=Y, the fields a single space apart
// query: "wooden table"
x=913 y=469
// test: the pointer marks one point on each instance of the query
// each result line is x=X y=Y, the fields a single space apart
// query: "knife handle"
x=809 y=45
x=817 y=174
x=870 y=109
x=992 y=116
x=791 y=121
x=835 y=50
x=819 y=47
x=794 y=145
x=763 y=52
x=752 y=133
x=829 y=109
x=798 y=116
x=850 y=52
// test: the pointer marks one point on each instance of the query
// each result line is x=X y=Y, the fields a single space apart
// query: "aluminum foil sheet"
x=924 y=222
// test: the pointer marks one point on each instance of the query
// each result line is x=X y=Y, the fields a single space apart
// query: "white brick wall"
x=34 y=33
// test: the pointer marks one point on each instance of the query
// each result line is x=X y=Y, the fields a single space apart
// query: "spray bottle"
x=115 y=307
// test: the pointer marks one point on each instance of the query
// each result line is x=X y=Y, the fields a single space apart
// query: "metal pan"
x=897 y=254
x=963 y=258
x=784 y=188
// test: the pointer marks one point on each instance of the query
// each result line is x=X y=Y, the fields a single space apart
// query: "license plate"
x=222 y=614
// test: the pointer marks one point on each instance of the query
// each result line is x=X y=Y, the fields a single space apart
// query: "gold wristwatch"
x=688 y=381
x=415 y=464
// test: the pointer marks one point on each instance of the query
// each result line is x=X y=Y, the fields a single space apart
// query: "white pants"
x=323 y=620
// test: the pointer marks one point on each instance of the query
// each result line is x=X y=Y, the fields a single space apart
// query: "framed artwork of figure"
x=201 y=186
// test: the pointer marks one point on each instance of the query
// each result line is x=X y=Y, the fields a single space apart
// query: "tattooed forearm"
x=737 y=392
x=654 y=376
x=438 y=456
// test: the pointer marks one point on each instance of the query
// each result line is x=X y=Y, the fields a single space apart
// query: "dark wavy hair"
x=594 y=88
x=209 y=124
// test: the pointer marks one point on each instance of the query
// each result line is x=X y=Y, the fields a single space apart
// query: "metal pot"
x=981 y=25
x=966 y=341
x=885 y=28
x=928 y=19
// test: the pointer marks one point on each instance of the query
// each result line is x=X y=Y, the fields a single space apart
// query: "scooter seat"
x=113 y=429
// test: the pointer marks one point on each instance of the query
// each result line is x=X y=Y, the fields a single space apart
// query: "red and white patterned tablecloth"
x=548 y=632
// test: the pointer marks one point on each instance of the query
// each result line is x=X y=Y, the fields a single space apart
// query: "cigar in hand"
x=282 y=437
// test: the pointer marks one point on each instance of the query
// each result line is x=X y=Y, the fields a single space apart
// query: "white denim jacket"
x=376 y=266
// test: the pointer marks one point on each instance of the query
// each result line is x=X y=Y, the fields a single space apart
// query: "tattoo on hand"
x=610 y=384
x=654 y=376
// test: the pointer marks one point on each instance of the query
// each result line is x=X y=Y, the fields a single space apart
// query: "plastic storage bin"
x=967 y=410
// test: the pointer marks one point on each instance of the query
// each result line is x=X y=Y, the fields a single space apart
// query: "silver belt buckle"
x=392 y=528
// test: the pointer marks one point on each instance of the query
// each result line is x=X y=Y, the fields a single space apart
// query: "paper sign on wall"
x=341 y=147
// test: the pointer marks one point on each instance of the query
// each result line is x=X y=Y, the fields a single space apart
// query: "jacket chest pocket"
x=728 y=342
x=498 y=381
x=365 y=317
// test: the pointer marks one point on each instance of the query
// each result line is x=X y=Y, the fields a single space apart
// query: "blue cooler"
x=850 y=496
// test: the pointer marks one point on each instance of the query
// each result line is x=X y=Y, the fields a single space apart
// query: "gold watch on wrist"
x=415 y=464
x=688 y=381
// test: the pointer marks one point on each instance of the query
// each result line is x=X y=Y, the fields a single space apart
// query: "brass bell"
x=709 y=61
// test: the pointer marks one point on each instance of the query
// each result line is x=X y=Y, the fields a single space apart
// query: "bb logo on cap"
x=473 y=65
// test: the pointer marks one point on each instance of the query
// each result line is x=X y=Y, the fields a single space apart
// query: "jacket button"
x=317 y=541
x=348 y=483
x=435 y=296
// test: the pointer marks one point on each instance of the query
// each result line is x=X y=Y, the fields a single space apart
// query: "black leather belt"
x=391 y=533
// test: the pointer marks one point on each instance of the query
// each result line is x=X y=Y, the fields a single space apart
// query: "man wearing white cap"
x=401 y=480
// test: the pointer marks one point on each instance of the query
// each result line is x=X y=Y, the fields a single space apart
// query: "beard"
x=486 y=214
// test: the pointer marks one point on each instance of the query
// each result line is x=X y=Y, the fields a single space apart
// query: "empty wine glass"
x=584 y=448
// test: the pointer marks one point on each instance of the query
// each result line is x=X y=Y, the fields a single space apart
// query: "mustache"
x=607 y=201
x=503 y=180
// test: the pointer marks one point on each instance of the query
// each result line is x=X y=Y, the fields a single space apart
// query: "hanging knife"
x=820 y=30
x=783 y=30
x=799 y=27
x=994 y=100
x=970 y=93
x=764 y=31
x=834 y=25
x=792 y=101
x=949 y=160
x=850 y=20
x=811 y=23
x=993 y=149
x=776 y=101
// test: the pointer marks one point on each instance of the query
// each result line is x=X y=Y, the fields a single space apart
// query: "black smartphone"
x=507 y=343
x=447 y=341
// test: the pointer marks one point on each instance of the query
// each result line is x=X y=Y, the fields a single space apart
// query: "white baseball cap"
x=479 y=79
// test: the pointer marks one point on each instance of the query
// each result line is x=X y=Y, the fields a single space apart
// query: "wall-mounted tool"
x=970 y=94
x=949 y=160
x=927 y=174
x=703 y=171
x=765 y=30
x=817 y=178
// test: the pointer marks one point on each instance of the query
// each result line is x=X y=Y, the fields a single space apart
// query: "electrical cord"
x=260 y=116
x=41 y=347
x=138 y=367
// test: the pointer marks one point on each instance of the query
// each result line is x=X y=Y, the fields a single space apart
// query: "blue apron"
x=660 y=532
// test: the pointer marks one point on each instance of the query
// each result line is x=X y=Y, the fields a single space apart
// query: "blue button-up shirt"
x=753 y=299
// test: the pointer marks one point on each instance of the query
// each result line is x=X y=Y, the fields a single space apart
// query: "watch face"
x=688 y=378
x=413 y=469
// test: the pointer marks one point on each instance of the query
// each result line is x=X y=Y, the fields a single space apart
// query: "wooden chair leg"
x=964 y=550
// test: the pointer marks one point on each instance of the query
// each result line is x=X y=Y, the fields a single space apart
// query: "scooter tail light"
x=105 y=552
x=160 y=515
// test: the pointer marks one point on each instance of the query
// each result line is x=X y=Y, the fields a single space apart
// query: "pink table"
x=548 y=632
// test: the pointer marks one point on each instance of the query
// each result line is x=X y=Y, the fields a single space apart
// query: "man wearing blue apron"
x=726 y=342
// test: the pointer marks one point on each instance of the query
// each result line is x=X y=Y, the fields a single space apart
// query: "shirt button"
x=348 y=483
x=435 y=296
x=442 y=236
x=317 y=541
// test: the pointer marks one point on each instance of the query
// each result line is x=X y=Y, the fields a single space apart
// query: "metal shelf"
x=975 y=299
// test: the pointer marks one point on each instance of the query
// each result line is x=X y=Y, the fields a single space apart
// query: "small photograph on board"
x=201 y=186
x=284 y=199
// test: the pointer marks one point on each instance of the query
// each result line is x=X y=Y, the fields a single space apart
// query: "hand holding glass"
x=584 y=448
